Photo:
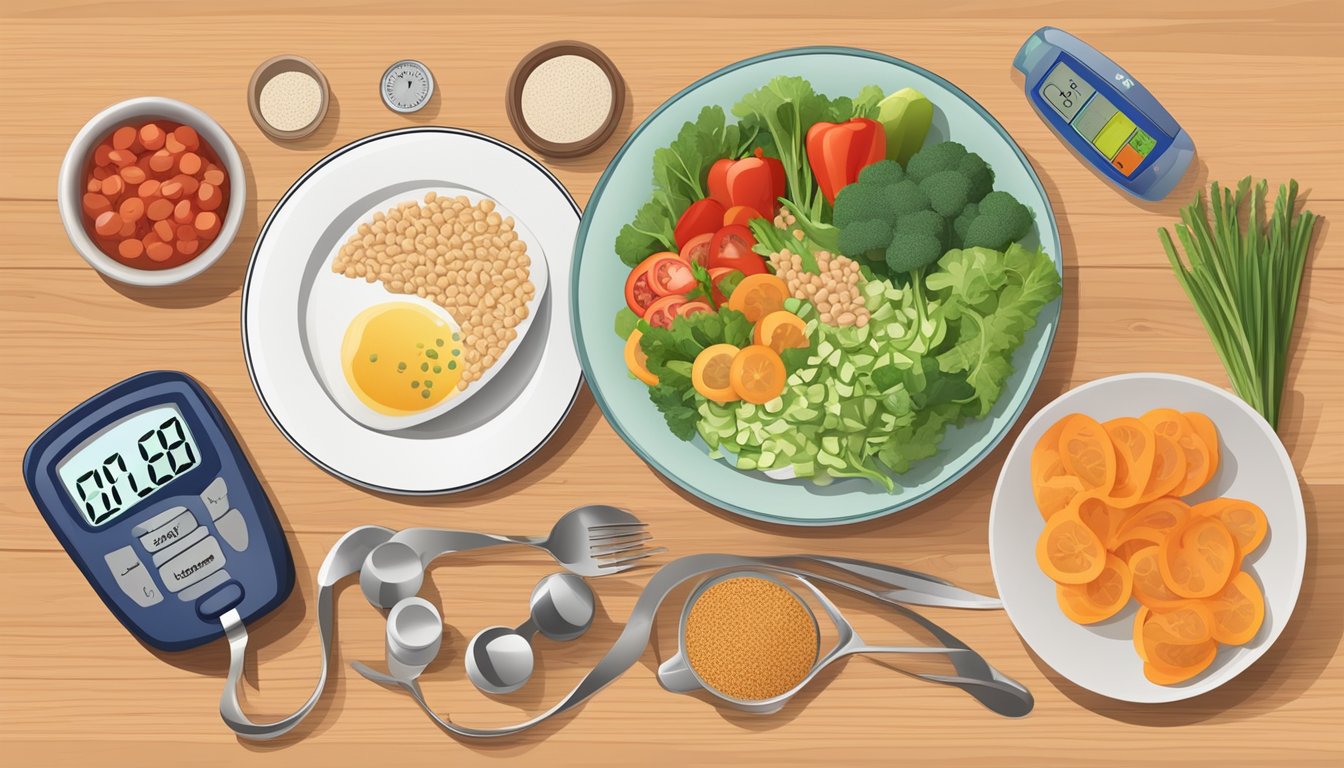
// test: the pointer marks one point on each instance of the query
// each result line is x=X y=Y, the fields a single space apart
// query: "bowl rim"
x=1169 y=693
x=1030 y=384
x=276 y=65
x=68 y=189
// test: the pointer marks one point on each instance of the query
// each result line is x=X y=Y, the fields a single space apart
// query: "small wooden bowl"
x=270 y=68
x=513 y=98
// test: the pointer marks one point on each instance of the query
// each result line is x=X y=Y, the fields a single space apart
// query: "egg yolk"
x=401 y=358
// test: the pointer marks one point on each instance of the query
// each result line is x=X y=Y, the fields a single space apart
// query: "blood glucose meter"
x=1104 y=114
x=147 y=489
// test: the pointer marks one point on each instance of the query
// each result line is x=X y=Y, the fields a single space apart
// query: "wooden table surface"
x=1256 y=82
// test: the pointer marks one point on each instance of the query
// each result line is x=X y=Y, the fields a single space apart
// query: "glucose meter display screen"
x=127 y=462
x=1096 y=119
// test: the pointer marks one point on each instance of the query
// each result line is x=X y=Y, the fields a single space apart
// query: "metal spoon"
x=500 y=660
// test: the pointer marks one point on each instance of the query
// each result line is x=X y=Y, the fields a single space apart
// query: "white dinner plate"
x=1254 y=466
x=528 y=394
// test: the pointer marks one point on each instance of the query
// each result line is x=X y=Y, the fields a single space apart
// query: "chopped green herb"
x=429 y=383
x=415 y=385
x=456 y=337
x=432 y=354
x=424 y=366
x=373 y=358
x=452 y=365
x=425 y=394
x=418 y=345
x=456 y=351
x=401 y=367
x=437 y=369
x=438 y=342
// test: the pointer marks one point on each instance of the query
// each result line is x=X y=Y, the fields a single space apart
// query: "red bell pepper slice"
x=756 y=182
x=838 y=151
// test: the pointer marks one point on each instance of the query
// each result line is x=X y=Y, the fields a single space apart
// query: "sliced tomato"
x=639 y=293
x=697 y=250
x=693 y=308
x=668 y=274
x=731 y=247
x=700 y=218
x=662 y=312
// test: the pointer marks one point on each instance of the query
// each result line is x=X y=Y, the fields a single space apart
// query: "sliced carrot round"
x=1173 y=424
x=1207 y=434
x=636 y=360
x=782 y=330
x=1096 y=514
x=1189 y=623
x=757 y=374
x=1168 y=470
x=1046 y=461
x=1100 y=598
x=1197 y=557
x=1134 y=449
x=1056 y=494
x=1140 y=618
x=1149 y=587
x=1238 y=610
x=759 y=295
x=1087 y=452
x=1126 y=550
x=1246 y=521
x=1174 y=664
x=1163 y=515
x=1068 y=551
x=710 y=373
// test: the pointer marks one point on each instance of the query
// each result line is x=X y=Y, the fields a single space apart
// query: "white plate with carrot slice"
x=1148 y=536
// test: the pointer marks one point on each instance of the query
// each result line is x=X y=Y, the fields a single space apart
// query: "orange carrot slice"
x=1056 y=494
x=1245 y=520
x=1173 y=424
x=1068 y=551
x=1168 y=470
x=1149 y=587
x=1134 y=451
x=1087 y=452
x=1099 y=599
x=1238 y=610
x=1207 y=434
x=1197 y=557
x=1174 y=664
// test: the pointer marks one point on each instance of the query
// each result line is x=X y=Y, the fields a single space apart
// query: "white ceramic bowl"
x=71 y=189
x=1254 y=466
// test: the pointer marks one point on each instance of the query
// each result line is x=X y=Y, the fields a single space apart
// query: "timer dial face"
x=406 y=86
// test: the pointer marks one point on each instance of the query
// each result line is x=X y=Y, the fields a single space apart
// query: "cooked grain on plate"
x=464 y=257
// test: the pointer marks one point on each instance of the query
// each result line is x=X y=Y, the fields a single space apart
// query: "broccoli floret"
x=978 y=173
x=860 y=202
x=882 y=173
x=999 y=220
x=963 y=222
x=925 y=222
x=868 y=238
x=944 y=156
x=905 y=197
x=948 y=191
x=911 y=250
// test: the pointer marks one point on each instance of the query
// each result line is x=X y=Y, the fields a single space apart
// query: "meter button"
x=208 y=584
x=222 y=599
x=173 y=532
x=216 y=497
x=158 y=521
x=179 y=546
x=132 y=576
x=193 y=565
x=233 y=527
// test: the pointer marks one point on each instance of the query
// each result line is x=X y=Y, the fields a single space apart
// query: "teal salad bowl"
x=599 y=278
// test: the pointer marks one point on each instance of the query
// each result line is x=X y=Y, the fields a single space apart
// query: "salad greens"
x=925 y=341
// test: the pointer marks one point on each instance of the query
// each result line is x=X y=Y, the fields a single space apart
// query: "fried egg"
x=401 y=358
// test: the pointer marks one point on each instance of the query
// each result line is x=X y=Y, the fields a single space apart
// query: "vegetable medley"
x=816 y=288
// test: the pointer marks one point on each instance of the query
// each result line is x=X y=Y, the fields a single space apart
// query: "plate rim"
x=1178 y=694
x=581 y=238
x=252 y=262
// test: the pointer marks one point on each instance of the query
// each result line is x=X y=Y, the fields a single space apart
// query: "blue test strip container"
x=1104 y=114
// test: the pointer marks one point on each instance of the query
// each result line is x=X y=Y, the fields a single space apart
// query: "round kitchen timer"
x=406 y=86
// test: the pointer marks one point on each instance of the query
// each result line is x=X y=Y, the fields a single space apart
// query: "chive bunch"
x=1243 y=275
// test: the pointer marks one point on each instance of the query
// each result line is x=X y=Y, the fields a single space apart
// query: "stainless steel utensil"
x=677 y=675
x=499 y=660
x=414 y=635
x=909 y=587
x=628 y=648
x=593 y=540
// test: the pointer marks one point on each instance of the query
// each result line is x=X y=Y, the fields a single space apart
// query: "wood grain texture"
x=1256 y=82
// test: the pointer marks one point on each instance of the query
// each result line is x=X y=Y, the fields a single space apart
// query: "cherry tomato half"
x=702 y=217
x=662 y=312
x=697 y=250
x=668 y=274
x=731 y=247
x=639 y=293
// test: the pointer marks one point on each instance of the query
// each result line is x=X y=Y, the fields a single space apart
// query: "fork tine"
x=625 y=560
x=614 y=536
x=616 y=549
x=621 y=541
x=604 y=526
